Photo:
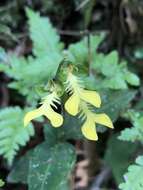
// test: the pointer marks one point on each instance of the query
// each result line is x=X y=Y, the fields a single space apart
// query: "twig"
x=73 y=33
x=29 y=2
x=5 y=96
x=89 y=54
x=104 y=175
x=82 y=5
x=77 y=33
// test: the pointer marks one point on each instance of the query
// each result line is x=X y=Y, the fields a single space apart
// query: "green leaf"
x=110 y=61
x=79 y=51
x=116 y=83
x=1 y=183
x=71 y=129
x=132 y=79
x=50 y=167
x=115 y=102
x=115 y=75
x=118 y=156
x=13 y=134
x=31 y=72
x=44 y=36
x=134 y=177
x=20 y=169
x=46 y=160
x=26 y=76
x=135 y=133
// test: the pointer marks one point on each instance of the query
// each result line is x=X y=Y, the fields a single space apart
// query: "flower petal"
x=72 y=105
x=32 y=115
x=55 y=118
x=89 y=130
x=103 y=119
x=91 y=97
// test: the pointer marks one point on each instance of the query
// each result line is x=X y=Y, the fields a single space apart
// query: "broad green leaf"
x=134 y=177
x=71 y=129
x=118 y=156
x=50 y=167
x=20 y=169
x=47 y=166
x=115 y=102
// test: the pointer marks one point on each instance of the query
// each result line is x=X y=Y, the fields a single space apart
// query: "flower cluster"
x=80 y=103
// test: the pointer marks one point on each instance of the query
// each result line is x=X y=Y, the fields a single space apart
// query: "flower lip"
x=89 y=130
x=47 y=107
x=89 y=126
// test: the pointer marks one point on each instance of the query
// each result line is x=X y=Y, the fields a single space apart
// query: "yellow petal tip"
x=55 y=118
x=89 y=130
x=103 y=119
x=72 y=105
x=91 y=97
x=26 y=120
x=57 y=122
x=32 y=115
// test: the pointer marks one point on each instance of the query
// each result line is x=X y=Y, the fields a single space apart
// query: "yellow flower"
x=45 y=109
x=89 y=126
x=78 y=94
x=79 y=102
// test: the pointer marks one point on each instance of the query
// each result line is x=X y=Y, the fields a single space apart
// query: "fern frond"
x=44 y=36
x=135 y=133
x=12 y=132
x=134 y=176
x=29 y=73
